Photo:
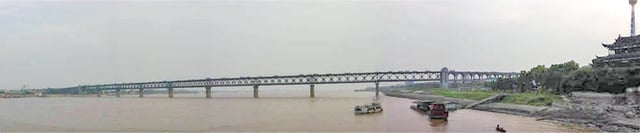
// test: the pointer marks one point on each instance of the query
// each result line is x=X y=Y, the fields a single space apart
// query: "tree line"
x=569 y=76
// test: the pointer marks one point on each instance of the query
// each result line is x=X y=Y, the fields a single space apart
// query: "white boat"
x=369 y=108
x=374 y=107
x=451 y=106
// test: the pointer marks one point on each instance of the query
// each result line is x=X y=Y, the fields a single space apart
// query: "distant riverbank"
x=593 y=111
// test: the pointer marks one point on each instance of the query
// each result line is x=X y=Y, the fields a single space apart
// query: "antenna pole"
x=633 y=17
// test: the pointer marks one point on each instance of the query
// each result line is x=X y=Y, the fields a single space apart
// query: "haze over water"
x=275 y=110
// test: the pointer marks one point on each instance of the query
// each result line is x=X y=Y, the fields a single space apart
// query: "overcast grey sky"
x=61 y=44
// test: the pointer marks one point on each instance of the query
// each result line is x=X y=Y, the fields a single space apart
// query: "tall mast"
x=633 y=17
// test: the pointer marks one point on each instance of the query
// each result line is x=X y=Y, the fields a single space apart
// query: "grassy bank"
x=468 y=94
x=472 y=94
x=526 y=98
x=531 y=98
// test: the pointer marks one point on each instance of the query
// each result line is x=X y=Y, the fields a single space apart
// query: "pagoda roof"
x=619 y=57
x=613 y=46
x=629 y=41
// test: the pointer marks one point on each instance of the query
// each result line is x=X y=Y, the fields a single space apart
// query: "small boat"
x=431 y=108
x=451 y=106
x=500 y=129
x=374 y=107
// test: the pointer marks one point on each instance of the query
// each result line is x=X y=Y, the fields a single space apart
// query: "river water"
x=275 y=110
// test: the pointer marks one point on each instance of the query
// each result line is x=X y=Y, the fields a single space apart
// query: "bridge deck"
x=365 y=77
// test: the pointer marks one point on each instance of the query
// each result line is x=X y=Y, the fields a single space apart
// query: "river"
x=237 y=110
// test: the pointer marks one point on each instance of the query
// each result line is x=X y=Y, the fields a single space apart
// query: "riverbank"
x=492 y=106
x=607 y=112
x=588 y=110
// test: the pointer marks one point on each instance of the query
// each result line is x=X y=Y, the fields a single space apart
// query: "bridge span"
x=445 y=76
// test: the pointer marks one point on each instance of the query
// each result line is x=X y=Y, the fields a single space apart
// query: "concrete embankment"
x=494 y=98
x=514 y=109
x=492 y=104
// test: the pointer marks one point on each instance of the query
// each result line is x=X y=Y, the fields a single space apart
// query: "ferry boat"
x=431 y=108
x=374 y=107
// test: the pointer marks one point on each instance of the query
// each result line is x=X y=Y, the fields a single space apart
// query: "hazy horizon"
x=62 y=44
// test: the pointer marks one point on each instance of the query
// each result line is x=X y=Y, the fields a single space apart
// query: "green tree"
x=579 y=80
x=565 y=67
x=538 y=75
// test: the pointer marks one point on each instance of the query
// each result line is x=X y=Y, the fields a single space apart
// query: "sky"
x=69 y=43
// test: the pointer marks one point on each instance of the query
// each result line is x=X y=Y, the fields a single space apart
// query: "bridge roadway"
x=302 y=79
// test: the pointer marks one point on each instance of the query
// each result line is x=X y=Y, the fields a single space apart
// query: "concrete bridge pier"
x=444 y=78
x=312 y=92
x=170 y=90
x=117 y=92
x=377 y=89
x=141 y=92
x=255 y=91
x=208 y=91
x=464 y=79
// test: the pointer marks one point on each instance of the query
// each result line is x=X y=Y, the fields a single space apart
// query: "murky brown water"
x=291 y=110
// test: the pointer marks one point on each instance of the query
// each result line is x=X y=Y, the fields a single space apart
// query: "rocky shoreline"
x=603 y=112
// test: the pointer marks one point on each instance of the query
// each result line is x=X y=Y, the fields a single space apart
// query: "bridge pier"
x=377 y=89
x=464 y=79
x=208 y=91
x=444 y=78
x=255 y=91
x=81 y=91
x=170 y=90
x=117 y=92
x=140 y=92
x=312 y=92
x=99 y=92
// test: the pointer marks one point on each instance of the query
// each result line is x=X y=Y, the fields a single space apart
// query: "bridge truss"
x=366 y=77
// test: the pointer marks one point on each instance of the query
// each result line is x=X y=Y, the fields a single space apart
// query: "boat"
x=500 y=129
x=451 y=106
x=374 y=107
x=435 y=110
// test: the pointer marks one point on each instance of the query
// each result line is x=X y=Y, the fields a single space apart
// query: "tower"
x=633 y=16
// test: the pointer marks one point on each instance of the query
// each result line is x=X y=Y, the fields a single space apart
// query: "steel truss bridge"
x=445 y=76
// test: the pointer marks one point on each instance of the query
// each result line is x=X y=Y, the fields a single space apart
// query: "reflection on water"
x=438 y=124
x=331 y=110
